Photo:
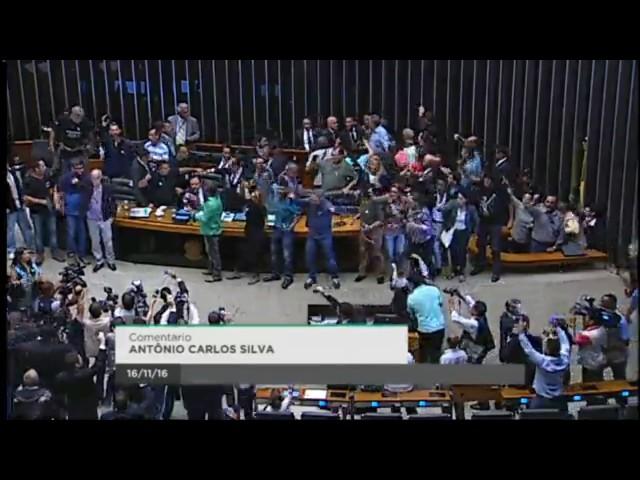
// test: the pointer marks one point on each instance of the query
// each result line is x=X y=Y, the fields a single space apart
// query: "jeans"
x=20 y=218
x=41 y=221
x=213 y=250
x=439 y=257
x=458 y=248
x=430 y=346
x=324 y=242
x=494 y=232
x=76 y=235
x=101 y=231
x=395 y=243
x=282 y=241
x=540 y=247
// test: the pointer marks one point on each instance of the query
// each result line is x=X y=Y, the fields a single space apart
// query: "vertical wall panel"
x=541 y=109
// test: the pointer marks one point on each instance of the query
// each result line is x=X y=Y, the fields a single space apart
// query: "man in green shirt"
x=209 y=216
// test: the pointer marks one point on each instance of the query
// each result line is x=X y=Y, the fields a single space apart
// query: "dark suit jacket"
x=347 y=137
x=331 y=136
x=300 y=137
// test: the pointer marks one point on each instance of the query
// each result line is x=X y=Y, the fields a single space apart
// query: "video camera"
x=71 y=278
x=141 y=306
x=585 y=306
x=110 y=302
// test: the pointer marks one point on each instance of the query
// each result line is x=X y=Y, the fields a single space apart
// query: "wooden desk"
x=611 y=387
x=430 y=396
x=231 y=229
x=544 y=259
x=166 y=224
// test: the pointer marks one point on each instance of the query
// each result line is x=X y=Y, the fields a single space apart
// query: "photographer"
x=176 y=309
x=617 y=328
x=45 y=305
x=424 y=305
x=99 y=321
x=75 y=386
x=550 y=366
x=591 y=344
x=127 y=310
x=476 y=339
x=25 y=275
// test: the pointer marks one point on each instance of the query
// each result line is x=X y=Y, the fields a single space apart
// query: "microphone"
x=458 y=138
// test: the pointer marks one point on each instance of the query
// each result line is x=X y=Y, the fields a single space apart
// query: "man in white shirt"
x=127 y=310
x=453 y=355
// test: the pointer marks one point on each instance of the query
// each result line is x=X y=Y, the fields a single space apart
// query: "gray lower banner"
x=425 y=375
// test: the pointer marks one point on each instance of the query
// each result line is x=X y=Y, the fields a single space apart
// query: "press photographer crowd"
x=418 y=211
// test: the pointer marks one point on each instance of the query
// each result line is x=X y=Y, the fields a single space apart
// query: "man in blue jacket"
x=76 y=190
x=550 y=366
x=319 y=222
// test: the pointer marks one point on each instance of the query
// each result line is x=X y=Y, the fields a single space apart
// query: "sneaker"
x=476 y=271
x=310 y=282
x=57 y=255
x=72 y=259
x=234 y=276
x=208 y=273
x=112 y=266
x=380 y=280
x=335 y=283
x=98 y=266
x=255 y=279
x=213 y=279
x=271 y=278
x=359 y=278
x=286 y=283
x=495 y=278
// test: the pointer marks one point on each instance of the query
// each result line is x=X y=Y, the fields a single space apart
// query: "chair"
x=493 y=415
x=319 y=416
x=599 y=412
x=381 y=416
x=430 y=416
x=40 y=151
x=275 y=416
x=544 y=414
x=631 y=412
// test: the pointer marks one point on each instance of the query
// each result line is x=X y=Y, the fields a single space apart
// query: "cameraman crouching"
x=551 y=366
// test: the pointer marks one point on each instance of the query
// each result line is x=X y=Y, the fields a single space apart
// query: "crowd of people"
x=418 y=211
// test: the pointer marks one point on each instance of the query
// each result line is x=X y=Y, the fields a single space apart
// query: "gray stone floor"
x=542 y=294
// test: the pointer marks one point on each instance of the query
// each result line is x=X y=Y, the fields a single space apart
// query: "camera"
x=585 y=306
x=141 y=306
x=454 y=292
x=110 y=302
x=71 y=278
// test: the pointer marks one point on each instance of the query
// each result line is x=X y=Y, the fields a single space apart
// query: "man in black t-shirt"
x=163 y=189
x=38 y=196
x=74 y=133
x=494 y=213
